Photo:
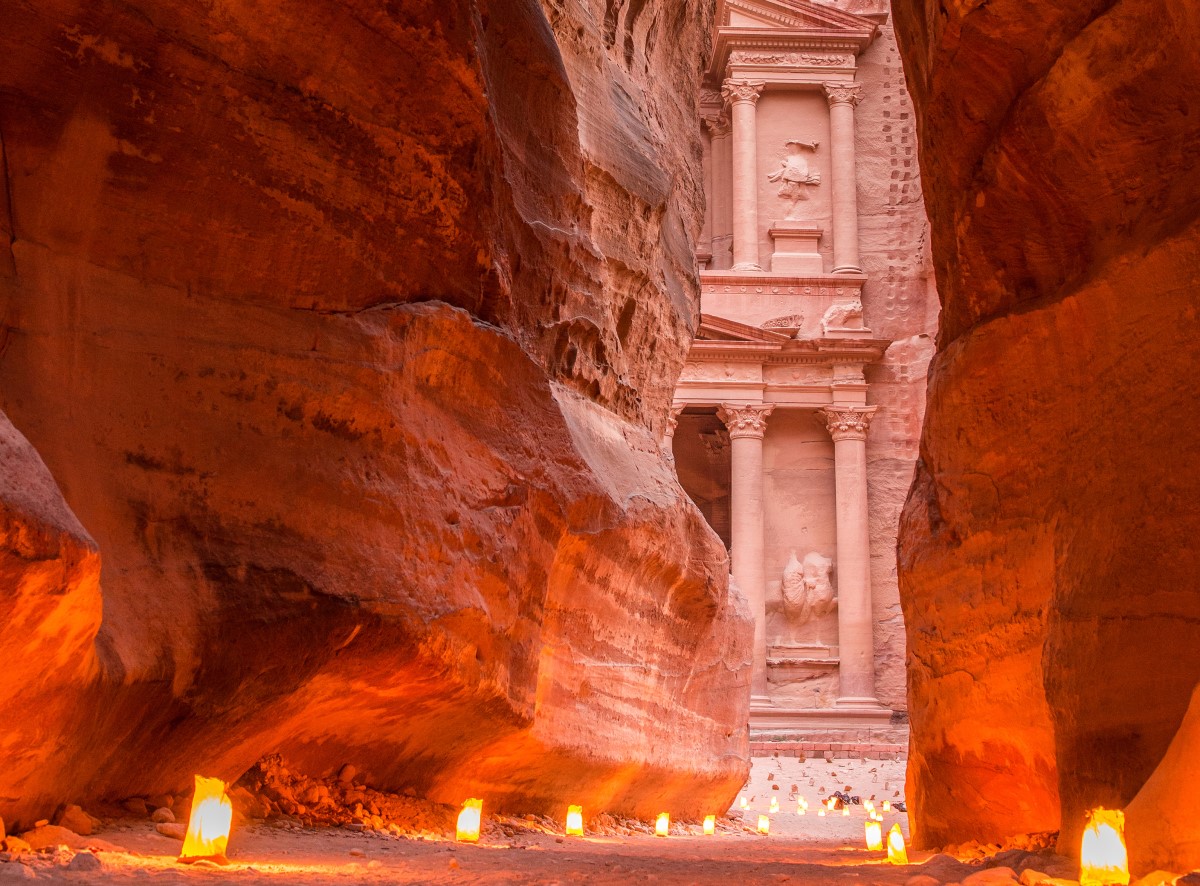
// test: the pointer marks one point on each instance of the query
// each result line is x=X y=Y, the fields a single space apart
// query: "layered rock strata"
x=1047 y=552
x=348 y=331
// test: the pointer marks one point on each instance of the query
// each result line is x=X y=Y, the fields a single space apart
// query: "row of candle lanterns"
x=470 y=818
x=1104 y=858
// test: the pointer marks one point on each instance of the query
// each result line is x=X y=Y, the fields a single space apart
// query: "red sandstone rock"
x=347 y=331
x=1048 y=555
x=49 y=613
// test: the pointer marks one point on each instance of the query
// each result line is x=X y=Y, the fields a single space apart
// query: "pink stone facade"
x=799 y=411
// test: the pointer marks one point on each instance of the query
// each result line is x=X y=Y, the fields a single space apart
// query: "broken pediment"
x=788 y=34
x=713 y=328
x=793 y=15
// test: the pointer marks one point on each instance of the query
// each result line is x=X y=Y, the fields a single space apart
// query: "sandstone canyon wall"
x=1048 y=557
x=348 y=331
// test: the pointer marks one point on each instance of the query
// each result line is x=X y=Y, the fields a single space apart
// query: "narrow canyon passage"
x=776 y=411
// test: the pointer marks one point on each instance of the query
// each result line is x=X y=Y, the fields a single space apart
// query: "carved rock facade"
x=816 y=293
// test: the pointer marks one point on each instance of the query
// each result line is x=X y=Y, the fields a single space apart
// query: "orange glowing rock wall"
x=1048 y=548
x=348 y=330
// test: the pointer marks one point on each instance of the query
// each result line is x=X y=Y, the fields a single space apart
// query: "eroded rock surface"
x=347 y=331
x=1048 y=559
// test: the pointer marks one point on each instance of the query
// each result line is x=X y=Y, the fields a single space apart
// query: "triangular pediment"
x=790 y=15
x=714 y=328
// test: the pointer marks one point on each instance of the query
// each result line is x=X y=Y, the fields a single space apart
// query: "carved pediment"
x=713 y=328
x=792 y=15
x=795 y=34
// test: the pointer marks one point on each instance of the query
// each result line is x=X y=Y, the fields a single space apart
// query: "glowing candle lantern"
x=744 y=803
x=874 y=836
x=207 y=833
x=710 y=825
x=845 y=811
x=1103 y=858
x=821 y=812
x=897 y=854
x=887 y=805
x=764 y=824
x=574 y=821
x=469 y=821
x=662 y=826
x=774 y=804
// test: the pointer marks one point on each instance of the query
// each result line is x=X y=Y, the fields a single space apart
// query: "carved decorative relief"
x=704 y=371
x=807 y=589
x=745 y=420
x=843 y=316
x=717 y=125
x=791 y=321
x=736 y=91
x=795 y=175
x=843 y=93
x=793 y=59
x=848 y=422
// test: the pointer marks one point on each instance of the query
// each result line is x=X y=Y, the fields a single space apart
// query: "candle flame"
x=710 y=825
x=575 y=821
x=208 y=827
x=874 y=834
x=469 y=821
x=897 y=854
x=662 y=826
x=1104 y=860
x=764 y=824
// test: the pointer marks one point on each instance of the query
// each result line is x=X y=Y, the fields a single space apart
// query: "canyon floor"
x=807 y=849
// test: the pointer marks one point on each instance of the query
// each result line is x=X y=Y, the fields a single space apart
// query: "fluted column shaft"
x=743 y=97
x=747 y=426
x=842 y=99
x=856 y=641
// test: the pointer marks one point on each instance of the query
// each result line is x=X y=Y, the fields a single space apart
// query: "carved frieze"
x=703 y=370
x=790 y=59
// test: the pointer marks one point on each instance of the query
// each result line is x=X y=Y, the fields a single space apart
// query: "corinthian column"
x=743 y=96
x=842 y=99
x=747 y=425
x=848 y=427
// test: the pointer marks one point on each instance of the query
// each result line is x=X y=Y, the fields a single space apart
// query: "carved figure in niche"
x=847 y=316
x=807 y=590
x=795 y=176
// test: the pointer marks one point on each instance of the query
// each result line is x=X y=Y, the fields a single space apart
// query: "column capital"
x=739 y=91
x=718 y=125
x=842 y=93
x=673 y=419
x=745 y=420
x=848 y=422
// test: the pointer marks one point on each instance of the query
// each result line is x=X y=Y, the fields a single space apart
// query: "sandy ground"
x=800 y=849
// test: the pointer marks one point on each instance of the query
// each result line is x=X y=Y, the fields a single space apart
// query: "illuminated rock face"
x=349 y=333
x=1048 y=556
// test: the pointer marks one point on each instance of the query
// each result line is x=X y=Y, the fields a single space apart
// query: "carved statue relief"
x=843 y=316
x=806 y=588
x=795 y=176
